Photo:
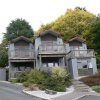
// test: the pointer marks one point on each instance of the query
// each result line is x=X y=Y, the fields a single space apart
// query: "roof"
x=78 y=39
x=49 y=32
x=21 y=38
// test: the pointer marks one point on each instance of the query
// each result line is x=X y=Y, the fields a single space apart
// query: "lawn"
x=96 y=88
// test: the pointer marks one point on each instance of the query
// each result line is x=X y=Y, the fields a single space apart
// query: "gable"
x=48 y=37
x=78 y=39
x=21 y=38
x=75 y=43
x=21 y=43
x=49 y=32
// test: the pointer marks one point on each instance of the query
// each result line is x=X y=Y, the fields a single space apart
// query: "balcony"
x=51 y=49
x=21 y=54
x=80 y=53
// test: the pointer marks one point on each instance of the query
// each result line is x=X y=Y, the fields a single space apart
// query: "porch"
x=21 y=54
x=51 y=49
x=47 y=63
x=16 y=68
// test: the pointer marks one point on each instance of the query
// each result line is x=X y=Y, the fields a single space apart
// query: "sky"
x=38 y=12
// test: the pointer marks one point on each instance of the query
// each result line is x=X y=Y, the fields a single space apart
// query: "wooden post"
x=40 y=60
x=63 y=62
x=34 y=64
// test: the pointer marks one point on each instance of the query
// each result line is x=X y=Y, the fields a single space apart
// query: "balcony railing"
x=51 y=49
x=81 y=53
x=21 y=53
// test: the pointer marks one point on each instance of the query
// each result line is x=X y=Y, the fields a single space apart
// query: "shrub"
x=53 y=84
x=26 y=84
x=62 y=75
x=22 y=77
x=58 y=80
x=13 y=81
x=59 y=72
x=35 y=77
x=96 y=88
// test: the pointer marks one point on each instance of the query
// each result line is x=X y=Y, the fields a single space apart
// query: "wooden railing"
x=21 y=53
x=81 y=53
x=51 y=49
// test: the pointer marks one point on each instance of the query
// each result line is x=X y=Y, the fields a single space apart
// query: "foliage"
x=92 y=80
x=22 y=77
x=3 y=57
x=94 y=33
x=35 y=76
x=13 y=81
x=54 y=84
x=59 y=72
x=45 y=80
x=73 y=23
x=18 y=27
x=58 y=80
x=96 y=88
x=98 y=60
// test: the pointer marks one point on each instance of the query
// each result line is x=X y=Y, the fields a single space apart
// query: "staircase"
x=80 y=86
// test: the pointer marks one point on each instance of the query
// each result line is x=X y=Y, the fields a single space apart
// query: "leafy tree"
x=81 y=8
x=95 y=32
x=73 y=23
x=3 y=57
x=18 y=28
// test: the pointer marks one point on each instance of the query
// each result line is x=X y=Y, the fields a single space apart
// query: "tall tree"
x=73 y=23
x=3 y=56
x=95 y=32
x=17 y=28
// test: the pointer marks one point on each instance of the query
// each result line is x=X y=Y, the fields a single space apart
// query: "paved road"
x=13 y=92
x=90 y=97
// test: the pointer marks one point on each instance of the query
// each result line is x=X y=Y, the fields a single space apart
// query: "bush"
x=22 y=77
x=62 y=74
x=35 y=77
x=26 y=84
x=58 y=80
x=53 y=84
x=91 y=80
x=59 y=72
x=96 y=88
x=13 y=81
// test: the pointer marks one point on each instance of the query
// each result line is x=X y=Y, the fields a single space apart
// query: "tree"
x=18 y=28
x=73 y=23
x=95 y=32
x=3 y=57
x=80 y=8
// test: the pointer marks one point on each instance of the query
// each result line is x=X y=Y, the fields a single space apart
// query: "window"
x=85 y=66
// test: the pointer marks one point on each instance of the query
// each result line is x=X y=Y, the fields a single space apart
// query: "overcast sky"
x=38 y=12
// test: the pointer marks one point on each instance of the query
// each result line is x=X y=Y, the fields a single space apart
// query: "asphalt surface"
x=14 y=92
x=90 y=97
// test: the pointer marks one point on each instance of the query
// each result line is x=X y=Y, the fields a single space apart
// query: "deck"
x=81 y=54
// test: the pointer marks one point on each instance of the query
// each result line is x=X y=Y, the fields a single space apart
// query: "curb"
x=34 y=96
x=47 y=98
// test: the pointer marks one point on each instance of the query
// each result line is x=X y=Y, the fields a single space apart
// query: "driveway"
x=13 y=92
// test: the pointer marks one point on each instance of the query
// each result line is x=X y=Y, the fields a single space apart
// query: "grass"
x=96 y=88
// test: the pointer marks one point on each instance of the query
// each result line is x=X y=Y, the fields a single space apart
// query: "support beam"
x=63 y=62
x=40 y=60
